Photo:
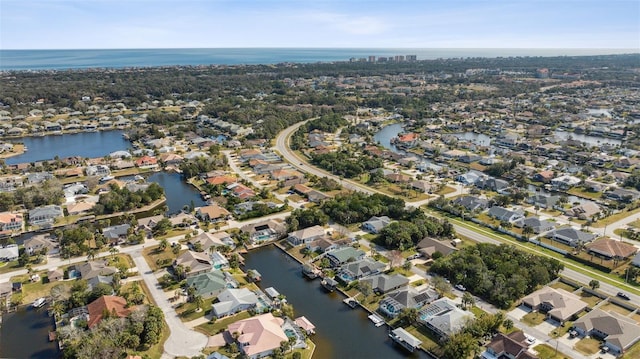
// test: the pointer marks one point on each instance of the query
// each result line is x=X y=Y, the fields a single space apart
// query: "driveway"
x=519 y=312
x=547 y=326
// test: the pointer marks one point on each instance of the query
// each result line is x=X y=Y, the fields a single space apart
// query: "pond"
x=178 y=192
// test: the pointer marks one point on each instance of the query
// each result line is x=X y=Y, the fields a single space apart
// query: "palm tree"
x=164 y=243
x=527 y=231
x=113 y=251
x=91 y=254
x=467 y=300
x=199 y=301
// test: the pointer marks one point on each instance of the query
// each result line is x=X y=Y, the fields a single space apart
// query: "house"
x=571 y=236
x=5 y=289
x=543 y=201
x=147 y=161
x=586 y=210
x=221 y=180
x=322 y=244
x=543 y=176
x=38 y=243
x=408 y=297
x=621 y=194
x=428 y=246
x=472 y=203
x=342 y=255
x=509 y=346
x=383 y=283
x=205 y=241
x=210 y=284
x=618 y=331
x=535 y=223
x=171 y=159
x=97 y=170
x=212 y=213
x=116 y=234
x=398 y=178
x=264 y=231
x=111 y=304
x=11 y=222
x=376 y=224
x=147 y=224
x=316 y=196
x=241 y=191
x=94 y=282
x=9 y=253
x=304 y=324
x=306 y=235
x=231 y=301
x=565 y=182
x=218 y=260
x=92 y=269
x=183 y=220
x=504 y=215
x=423 y=186
x=558 y=304
x=355 y=270
x=611 y=249
x=45 y=215
x=493 y=184
x=444 y=318
x=55 y=275
x=470 y=177
x=258 y=336
x=195 y=262
x=80 y=208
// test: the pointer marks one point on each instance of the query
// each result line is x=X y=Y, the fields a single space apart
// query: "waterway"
x=341 y=332
x=384 y=136
x=590 y=140
x=177 y=191
x=84 y=144
x=21 y=340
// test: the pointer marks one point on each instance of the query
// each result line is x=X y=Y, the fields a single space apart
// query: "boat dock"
x=352 y=302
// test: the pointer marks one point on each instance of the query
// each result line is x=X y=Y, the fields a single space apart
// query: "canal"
x=341 y=332
x=84 y=144
x=178 y=192
x=25 y=334
x=384 y=136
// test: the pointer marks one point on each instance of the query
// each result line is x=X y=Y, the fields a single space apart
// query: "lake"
x=341 y=332
x=178 y=192
x=384 y=136
x=590 y=140
x=84 y=144
x=21 y=340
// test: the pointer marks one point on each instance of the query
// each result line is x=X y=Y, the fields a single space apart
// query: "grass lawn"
x=534 y=318
x=563 y=285
x=445 y=190
x=187 y=312
x=547 y=352
x=33 y=291
x=221 y=324
x=636 y=317
x=635 y=224
x=174 y=233
x=153 y=254
x=590 y=299
x=588 y=346
x=421 y=333
x=581 y=192
x=477 y=311
x=9 y=267
x=561 y=330
x=634 y=352
x=615 y=308
x=614 y=218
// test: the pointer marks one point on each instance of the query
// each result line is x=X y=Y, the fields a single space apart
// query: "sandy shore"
x=18 y=149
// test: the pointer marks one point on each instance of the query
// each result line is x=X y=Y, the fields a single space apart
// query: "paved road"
x=478 y=235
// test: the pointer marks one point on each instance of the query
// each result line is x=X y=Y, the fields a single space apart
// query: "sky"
x=109 y=24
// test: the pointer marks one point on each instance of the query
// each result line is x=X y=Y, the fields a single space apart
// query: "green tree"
x=408 y=316
x=467 y=300
x=460 y=345
x=594 y=284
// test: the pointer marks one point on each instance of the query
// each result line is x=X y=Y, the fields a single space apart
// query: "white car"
x=460 y=287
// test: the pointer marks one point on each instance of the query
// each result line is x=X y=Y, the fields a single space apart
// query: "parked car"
x=623 y=296
x=460 y=287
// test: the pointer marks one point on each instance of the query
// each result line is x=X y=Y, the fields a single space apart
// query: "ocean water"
x=119 y=58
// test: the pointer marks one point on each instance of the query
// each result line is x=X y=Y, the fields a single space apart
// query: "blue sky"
x=76 y=24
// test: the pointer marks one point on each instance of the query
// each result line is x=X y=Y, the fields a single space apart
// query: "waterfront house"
x=510 y=346
x=231 y=301
x=608 y=249
x=558 y=304
x=304 y=324
x=322 y=244
x=11 y=222
x=183 y=220
x=218 y=260
x=40 y=242
x=147 y=162
x=80 y=208
x=355 y=270
x=97 y=170
x=619 y=332
x=343 y=255
x=622 y=194
x=264 y=231
x=92 y=269
x=542 y=201
x=306 y=235
x=543 y=176
x=116 y=234
x=586 y=210
x=193 y=263
x=503 y=214
x=408 y=297
x=45 y=215
x=565 y=182
x=212 y=213
x=9 y=253
x=376 y=224
x=211 y=284
x=113 y=305
x=535 y=223
x=571 y=236
x=444 y=318
x=258 y=336
x=205 y=241
x=383 y=283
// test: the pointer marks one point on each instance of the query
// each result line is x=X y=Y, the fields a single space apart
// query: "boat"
x=39 y=302
x=329 y=284
x=138 y=178
x=377 y=321
x=351 y=302
x=106 y=178
x=309 y=272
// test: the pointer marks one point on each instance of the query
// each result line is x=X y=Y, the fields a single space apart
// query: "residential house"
x=241 y=191
x=493 y=184
x=316 y=196
x=211 y=284
x=264 y=231
x=306 y=235
x=111 y=304
x=38 y=177
x=9 y=253
x=543 y=176
x=258 y=336
x=503 y=214
x=221 y=180
x=322 y=245
x=470 y=177
x=116 y=234
x=535 y=223
x=623 y=195
x=619 y=332
x=612 y=249
x=508 y=346
x=383 y=283
x=92 y=269
x=218 y=260
x=571 y=236
x=472 y=203
x=45 y=215
x=171 y=159
x=193 y=263
x=11 y=222
x=444 y=318
x=542 y=201
x=147 y=224
x=96 y=281
x=428 y=246
x=183 y=220
x=565 y=182
x=376 y=224
x=231 y=301
x=97 y=170
x=423 y=186
x=343 y=255
x=38 y=243
x=558 y=304
x=205 y=241
x=398 y=178
x=212 y=213
x=80 y=208
x=147 y=162
x=304 y=324
x=355 y=270
x=55 y=275
x=586 y=210
x=407 y=297
x=5 y=289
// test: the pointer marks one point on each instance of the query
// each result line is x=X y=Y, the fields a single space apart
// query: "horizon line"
x=637 y=50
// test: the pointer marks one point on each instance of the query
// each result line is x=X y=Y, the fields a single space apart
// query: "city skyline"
x=73 y=24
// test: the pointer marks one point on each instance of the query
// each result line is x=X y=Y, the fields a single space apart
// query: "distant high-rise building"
x=382 y=59
x=542 y=73
x=412 y=58
x=399 y=58
x=372 y=58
